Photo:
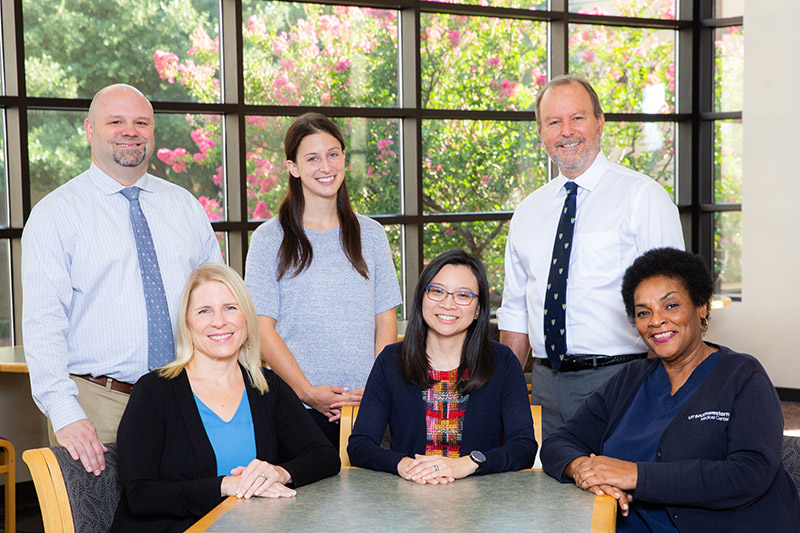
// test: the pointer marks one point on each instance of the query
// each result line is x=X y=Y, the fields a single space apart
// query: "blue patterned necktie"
x=555 y=299
x=160 y=347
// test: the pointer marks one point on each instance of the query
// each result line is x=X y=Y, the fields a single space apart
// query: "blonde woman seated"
x=213 y=423
x=456 y=402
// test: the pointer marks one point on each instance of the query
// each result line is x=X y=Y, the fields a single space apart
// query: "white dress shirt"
x=620 y=215
x=83 y=308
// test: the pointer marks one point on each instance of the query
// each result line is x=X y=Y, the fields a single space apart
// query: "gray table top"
x=361 y=500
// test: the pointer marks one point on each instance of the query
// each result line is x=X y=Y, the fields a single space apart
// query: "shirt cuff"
x=67 y=412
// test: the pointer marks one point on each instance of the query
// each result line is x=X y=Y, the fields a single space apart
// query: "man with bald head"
x=569 y=243
x=104 y=260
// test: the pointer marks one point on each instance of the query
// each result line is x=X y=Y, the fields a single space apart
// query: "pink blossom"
x=455 y=38
x=280 y=81
x=261 y=212
x=255 y=25
x=325 y=99
x=588 y=56
x=288 y=64
x=166 y=65
x=170 y=156
x=344 y=64
x=201 y=42
x=484 y=181
x=493 y=62
x=217 y=178
x=179 y=166
x=212 y=207
x=509 y=88
x=384 y=144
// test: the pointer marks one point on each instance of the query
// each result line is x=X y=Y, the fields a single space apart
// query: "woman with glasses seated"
x=322 y=278
x=455 y=402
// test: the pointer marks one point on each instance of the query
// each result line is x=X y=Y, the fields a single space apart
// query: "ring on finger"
x=435 y=468
x=262 y=475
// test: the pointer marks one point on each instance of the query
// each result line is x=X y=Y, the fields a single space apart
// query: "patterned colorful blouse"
x=444 y=414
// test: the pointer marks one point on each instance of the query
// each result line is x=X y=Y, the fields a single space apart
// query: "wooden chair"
x=71 y=499
x=346 y=422
x=8 y=462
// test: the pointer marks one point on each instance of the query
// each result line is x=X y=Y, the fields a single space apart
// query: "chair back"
x=8 y=467
x=346 y=423
x=791 y=458
x=73 y=500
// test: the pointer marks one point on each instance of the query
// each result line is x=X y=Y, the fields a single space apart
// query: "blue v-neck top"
x=234 y=442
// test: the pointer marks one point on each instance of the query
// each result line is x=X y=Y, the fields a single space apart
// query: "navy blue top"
x=718 y=462
x=234 y=442
x=497 y=419
x=639 y=431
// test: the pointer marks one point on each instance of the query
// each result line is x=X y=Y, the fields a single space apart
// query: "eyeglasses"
x=437 y=294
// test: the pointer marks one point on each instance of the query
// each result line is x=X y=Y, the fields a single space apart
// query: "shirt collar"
x=590 y=177
x=109 y=185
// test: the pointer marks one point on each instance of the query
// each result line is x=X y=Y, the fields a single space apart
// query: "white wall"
x=767 y=321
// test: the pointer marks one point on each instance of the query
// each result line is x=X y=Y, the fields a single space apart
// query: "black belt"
x=573 y=363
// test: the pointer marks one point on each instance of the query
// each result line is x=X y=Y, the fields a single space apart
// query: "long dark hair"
x=477 y=363
x=295 y=253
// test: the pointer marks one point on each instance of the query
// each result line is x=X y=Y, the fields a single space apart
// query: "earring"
x=704 y=323
x=476 y=316
x=643 y=348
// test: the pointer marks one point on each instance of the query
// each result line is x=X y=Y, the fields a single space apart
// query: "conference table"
x=363 y=500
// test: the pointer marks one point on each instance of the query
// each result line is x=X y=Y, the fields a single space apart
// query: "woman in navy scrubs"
x=690 y=438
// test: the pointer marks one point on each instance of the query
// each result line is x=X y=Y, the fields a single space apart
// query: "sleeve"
x=513 y=313
x=519 y=444
x=47 y=287
x=386 y=287
x=260 y=272
x=364 y=447
x=658 y=222
x=141 y=438
x=582 y=434
x=309 y=455
x=754 y=441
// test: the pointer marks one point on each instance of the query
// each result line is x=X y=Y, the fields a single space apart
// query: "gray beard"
x=131 y=159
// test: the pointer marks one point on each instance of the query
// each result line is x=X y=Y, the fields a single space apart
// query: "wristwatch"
x=479 y=459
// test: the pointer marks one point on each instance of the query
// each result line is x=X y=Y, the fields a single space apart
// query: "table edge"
x=214 y=514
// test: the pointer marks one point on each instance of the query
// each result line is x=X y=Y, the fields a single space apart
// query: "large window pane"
x=169 y=50
x=373 y=164
x=728 y=252
x=632 y=69
x=6 y=307
x=308 y=54
x=486 y=239
x=646 y=147
x=728 y=68
x=480 y=165
x=728 y=150
x=658 y=9
x=481 y=63
x=188 y=152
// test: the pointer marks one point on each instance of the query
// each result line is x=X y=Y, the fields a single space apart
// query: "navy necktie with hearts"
x=555 y=299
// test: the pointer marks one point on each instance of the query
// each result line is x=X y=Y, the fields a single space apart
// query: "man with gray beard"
x=569 y=243
x=104 y=260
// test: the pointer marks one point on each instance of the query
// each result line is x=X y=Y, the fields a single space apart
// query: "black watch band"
x=479 y=459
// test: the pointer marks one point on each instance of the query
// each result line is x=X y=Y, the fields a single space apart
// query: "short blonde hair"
x=250 y=351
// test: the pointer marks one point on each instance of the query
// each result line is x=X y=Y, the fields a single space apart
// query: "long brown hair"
x=295 y=253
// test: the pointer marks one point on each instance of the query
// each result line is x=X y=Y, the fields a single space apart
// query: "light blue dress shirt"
x=83 y=308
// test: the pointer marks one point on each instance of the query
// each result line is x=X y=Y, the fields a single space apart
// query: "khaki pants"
x=103 y=407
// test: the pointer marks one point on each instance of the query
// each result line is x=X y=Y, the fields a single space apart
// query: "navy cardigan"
x=167 y=464
x=497 y=420
x=718 y=464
